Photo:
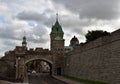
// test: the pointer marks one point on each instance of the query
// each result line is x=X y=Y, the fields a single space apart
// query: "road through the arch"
x=43 y=78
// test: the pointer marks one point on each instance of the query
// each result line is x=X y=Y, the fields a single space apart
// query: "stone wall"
x=98 y=60
x=7 y=66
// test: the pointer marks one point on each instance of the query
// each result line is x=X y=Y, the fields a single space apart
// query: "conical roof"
x=56 y=28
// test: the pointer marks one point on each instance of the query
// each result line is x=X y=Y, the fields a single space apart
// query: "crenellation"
x=38 y=49
x=31 y=49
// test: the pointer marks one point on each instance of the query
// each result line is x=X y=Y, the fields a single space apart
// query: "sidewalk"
x=7 y=82
x=57 y=77
x=66 y=80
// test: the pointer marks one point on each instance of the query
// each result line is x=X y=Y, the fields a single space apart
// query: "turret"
x=24 y=43
x=74 y=42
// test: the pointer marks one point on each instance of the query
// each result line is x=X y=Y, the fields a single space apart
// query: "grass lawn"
x=83 y=80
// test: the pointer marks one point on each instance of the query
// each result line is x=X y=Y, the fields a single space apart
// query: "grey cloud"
x=38 y=17
x=40 y=39
x=77 y=26
x=11 y=43
x=7 y=32
x=100 y=9
x=7 y=44
x=8 y=1
x=42 y=21
x=30 y=15
x=36 y=40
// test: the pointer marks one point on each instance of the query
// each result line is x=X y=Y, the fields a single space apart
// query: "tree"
x=92 y=35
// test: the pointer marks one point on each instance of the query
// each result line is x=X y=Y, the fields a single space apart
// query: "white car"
x=33 y=71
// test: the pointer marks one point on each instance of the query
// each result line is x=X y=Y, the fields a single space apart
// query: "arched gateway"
x=54 y=57
x=24 y=56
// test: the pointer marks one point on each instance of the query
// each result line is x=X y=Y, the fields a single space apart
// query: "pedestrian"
x=21 y=78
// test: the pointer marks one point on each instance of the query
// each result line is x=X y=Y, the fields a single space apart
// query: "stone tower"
x=20 y=52
x=57 y=46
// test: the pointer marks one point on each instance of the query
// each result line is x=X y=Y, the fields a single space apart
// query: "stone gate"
x=23 y=56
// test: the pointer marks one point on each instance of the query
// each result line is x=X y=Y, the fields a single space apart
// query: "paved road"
x=43 y=79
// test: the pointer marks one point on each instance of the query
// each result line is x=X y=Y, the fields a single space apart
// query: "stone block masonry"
x=98 y=60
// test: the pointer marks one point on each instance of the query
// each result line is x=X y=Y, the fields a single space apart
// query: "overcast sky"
x=36 y=18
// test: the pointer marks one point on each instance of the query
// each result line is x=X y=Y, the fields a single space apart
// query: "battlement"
x=38 y=50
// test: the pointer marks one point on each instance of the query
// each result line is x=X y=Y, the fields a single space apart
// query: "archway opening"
x=39 y=66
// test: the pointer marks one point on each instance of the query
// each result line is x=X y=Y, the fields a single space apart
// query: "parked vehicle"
x=33 y=71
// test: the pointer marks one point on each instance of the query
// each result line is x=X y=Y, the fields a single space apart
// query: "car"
x=33 y=71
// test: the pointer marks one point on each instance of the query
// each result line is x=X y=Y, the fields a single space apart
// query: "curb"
x=61 y=78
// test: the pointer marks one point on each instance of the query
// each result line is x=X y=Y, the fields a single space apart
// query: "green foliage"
x=85 y=81
x=93 y=35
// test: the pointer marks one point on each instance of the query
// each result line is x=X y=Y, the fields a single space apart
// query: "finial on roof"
x=24 y=43
x=56 y=16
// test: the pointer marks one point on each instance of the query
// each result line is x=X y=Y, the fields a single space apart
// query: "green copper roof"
x=57 y=28
x=58 y=38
